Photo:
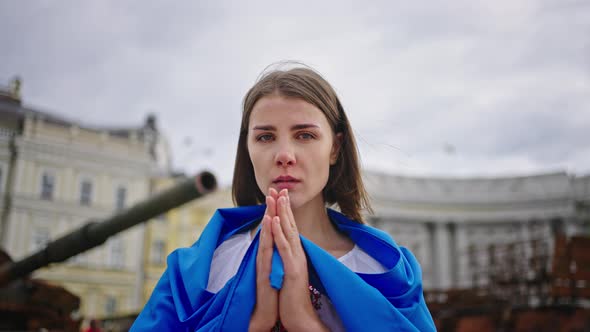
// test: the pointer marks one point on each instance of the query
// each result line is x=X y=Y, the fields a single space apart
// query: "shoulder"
x=374 y=242
x=354 y=228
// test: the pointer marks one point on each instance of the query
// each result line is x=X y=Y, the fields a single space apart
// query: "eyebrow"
x=294 y=127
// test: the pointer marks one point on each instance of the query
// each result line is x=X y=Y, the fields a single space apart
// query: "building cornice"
x=469 y=191
x=33 y=203
x=475 y=214
x=125 y=163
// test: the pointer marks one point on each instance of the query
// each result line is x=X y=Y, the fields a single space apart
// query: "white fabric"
x=228 y=256
x=226 y=260
x=360 y=262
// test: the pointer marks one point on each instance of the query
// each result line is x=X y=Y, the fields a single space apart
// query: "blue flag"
x=390 y=301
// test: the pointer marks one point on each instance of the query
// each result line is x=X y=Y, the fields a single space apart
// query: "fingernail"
x=282 y=200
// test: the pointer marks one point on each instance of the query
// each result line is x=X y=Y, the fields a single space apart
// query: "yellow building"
x=177 y=228
x=57 y=174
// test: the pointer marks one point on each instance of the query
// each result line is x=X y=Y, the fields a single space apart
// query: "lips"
x=285 y=182
x=285 y=178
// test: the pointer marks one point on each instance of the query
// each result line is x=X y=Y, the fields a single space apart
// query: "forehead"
x=277 y=110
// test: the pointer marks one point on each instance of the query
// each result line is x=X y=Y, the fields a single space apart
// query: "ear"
x=336 y=145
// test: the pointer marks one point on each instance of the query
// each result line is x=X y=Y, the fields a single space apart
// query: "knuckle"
x=292 y=236
x=282 y=245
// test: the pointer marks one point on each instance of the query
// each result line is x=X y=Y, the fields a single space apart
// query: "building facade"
x=178 y=228
x=56 y=175
x=448 y=223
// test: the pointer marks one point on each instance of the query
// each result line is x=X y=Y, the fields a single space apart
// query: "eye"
x=305 y=136
x=264 y=138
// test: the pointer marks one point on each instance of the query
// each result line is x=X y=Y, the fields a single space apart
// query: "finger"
x=287 y=223
x=265 y=247
x=271 y=207
x=291 y=231
x=281 y=241
x=290 y=213
x=272 y=192
x=284 y=193
x=264 y=236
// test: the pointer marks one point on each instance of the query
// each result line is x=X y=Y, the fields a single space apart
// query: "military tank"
x=28 y=304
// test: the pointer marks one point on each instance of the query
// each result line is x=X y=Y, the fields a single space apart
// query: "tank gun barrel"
x=96 y=232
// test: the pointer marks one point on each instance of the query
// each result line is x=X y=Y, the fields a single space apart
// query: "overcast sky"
x=460 y=88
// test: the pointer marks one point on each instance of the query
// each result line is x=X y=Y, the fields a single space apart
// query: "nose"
x=285 y=157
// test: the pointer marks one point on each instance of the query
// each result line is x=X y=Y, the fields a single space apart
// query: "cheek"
x=325 y=174
x=256 y=159
x=322 y=166
x=257 y=165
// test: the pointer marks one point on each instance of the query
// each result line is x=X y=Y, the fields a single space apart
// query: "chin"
x=295 y=201
x=298 y=202
x=295 y=204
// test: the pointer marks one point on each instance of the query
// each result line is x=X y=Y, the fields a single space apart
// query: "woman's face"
x=291 y=146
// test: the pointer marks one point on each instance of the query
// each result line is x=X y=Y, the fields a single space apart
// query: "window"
x=158 y=252
x=110 y=306
x=120 y=197
x=39 y=238
x=116 y=253
x=47 y=186
x=85 y=192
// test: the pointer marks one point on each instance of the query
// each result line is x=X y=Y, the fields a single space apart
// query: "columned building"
x=56 y=175
x=448 y=222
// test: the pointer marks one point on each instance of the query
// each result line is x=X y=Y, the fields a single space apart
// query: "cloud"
x=506 y=84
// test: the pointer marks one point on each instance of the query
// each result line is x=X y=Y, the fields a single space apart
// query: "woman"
x=291 y=264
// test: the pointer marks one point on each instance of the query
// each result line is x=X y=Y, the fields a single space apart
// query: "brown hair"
x=345 y=185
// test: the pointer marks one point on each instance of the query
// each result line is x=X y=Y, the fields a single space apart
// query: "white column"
x=12 y=235
x=432 y=266
x=463 y=276
x=139 y=256
x=571 y=226
x=443 y=258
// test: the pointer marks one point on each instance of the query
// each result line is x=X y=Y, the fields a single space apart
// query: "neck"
x=313 y=222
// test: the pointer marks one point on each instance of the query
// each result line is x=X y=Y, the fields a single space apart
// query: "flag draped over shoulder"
x=391 y=301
